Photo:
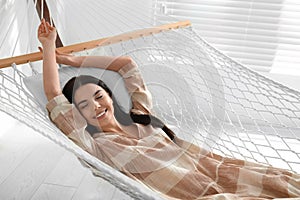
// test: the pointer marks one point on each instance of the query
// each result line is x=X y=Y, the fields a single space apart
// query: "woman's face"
x=95 y=105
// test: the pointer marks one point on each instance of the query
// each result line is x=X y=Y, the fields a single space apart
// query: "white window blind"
x=262 y=34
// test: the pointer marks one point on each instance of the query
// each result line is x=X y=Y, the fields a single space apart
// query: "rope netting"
x=218 y=103
x=205 y=97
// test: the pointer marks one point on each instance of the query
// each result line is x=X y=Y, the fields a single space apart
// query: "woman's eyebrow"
x=97 y=92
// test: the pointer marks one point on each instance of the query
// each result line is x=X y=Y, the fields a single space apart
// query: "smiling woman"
x=95 y=104
x=204 y=96
x=93 y=99
x=140 y=145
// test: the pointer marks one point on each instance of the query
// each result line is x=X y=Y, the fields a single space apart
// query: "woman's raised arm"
x=104 y=62
x=47 y=36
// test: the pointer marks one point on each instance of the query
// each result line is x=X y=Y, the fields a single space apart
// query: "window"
x=262 y=34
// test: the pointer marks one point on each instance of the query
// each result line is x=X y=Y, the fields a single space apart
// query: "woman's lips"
x=101 y=114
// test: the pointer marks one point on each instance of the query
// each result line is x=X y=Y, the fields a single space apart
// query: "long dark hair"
x=124 y=118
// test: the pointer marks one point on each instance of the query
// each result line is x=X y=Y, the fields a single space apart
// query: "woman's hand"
x=46 y=33
x=66 y=59
x=63 y=58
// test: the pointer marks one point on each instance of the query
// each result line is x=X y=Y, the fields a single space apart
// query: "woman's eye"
x=83 y=106
x=99 y=97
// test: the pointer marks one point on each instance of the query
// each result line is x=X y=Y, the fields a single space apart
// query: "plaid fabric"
x=176 y=170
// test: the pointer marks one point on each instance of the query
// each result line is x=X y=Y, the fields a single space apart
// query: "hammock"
x=222 y=105
x=212 y=100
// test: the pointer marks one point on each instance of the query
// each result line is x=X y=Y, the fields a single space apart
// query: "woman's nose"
x=97 y=105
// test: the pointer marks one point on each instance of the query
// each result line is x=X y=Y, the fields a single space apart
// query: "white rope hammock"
x=213 y=101
x=206 y=97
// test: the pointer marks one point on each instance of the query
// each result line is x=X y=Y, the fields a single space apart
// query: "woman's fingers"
x=39 y=30
x=57 y=52
x=42 y=27
x=46 y=32
x=61 y=53
x=45 y=27
x=48 y=25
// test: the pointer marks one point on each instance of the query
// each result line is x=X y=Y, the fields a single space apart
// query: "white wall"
x=18 y=28
x=79 y=21
x=18 y=25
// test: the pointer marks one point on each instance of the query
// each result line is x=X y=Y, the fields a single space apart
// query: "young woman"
x=138 y=144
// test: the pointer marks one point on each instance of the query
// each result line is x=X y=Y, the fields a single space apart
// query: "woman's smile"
x=95 y=105
x=101 y=114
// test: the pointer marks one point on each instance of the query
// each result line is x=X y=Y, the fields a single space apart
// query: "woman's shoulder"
x=57 y=100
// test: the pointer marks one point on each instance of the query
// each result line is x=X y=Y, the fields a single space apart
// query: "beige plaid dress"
x=175 y=169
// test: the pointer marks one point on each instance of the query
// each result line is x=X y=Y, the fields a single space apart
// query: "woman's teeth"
x=100 y=114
